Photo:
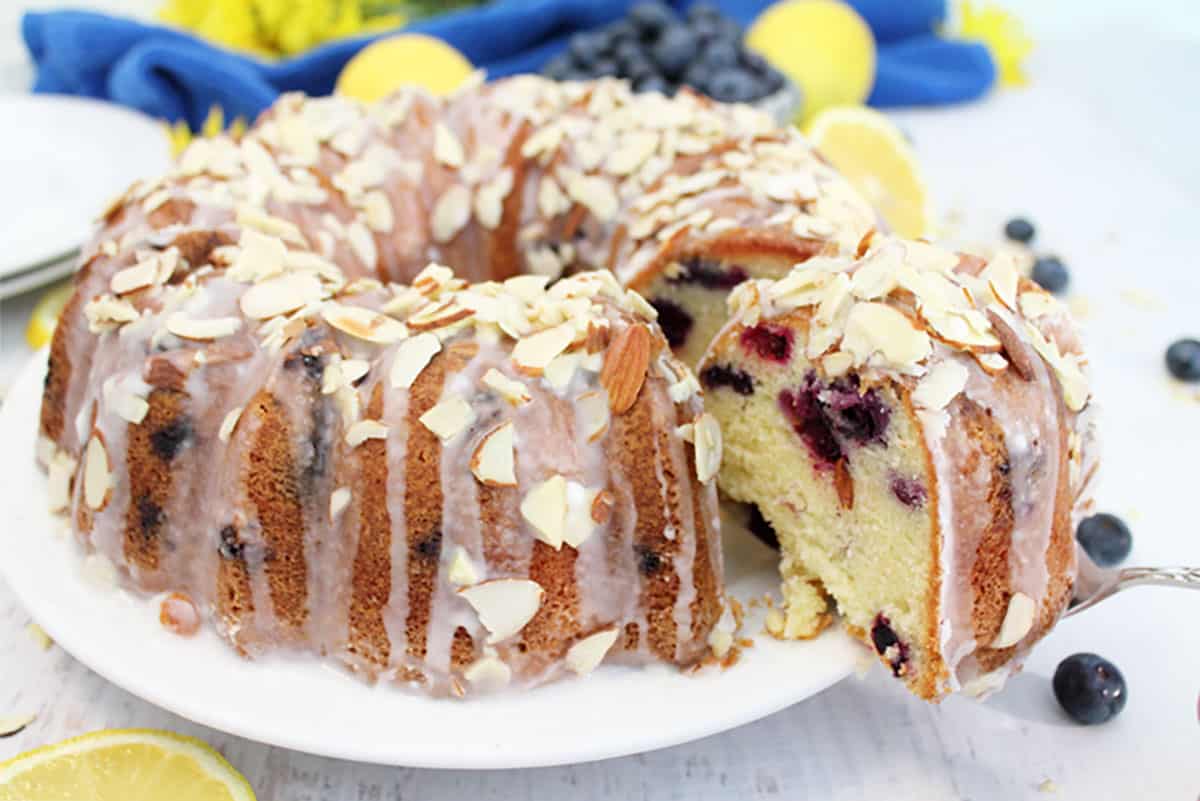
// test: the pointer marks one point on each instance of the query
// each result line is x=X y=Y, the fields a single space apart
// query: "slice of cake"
x=926 y=421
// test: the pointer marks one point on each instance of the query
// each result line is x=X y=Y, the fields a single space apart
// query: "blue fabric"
x=167 y=73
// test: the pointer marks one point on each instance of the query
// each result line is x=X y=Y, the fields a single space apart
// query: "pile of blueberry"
x=1048 y=271
x=658 y=51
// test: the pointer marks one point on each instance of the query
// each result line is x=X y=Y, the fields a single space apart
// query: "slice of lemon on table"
x=45 y=315
x=872 y=153
x=382 y=67
x=123 y=765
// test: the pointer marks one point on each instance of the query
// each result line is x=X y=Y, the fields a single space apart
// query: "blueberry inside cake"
x=926 y=423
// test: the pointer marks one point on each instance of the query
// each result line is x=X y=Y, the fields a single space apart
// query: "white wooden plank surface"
x=1101 y=154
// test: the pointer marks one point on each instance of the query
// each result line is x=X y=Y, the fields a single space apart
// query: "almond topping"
x=449 y=418
x=364 y=430
x=215 y=328
x=339 y=499
x=532 y=354
x=593 y=414
x=596 y=194
x=488 y=673
x=97 y=475
x=493 y=462
x=545 y=508
x=505 y=605
x=579 y=524
x=625 y=366
x=229 y=423
x=1016 y=350
x=942 y=384
x=412 y=356
x=281 y=295
x=362 y=323
x=446 y=147
x=510 y=389
x=451 y=213
x=585 y=655
x=707 y=434
x=462 y=572
x=1018 y=620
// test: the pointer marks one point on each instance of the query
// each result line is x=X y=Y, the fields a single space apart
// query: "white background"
x=1102 y=154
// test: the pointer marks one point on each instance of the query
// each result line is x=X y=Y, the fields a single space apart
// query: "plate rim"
x=642 y=738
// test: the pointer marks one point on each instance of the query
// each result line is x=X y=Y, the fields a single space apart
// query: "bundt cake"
x=916 y=427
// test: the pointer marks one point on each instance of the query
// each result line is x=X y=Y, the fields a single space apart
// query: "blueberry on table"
x=1089 y=688
x=698 y=76
x=706 y=31
x=703 y=11
x=1183 y=359
x=558 y=67
x=721 y=55
x=1106 y=539
x=605 y=68
x=650 y=18
x=1019 y=229
x=734 y=86
x=755 y=63
x=674 y=50
x=586 y=48
x=620 y=32
x=1050 y=273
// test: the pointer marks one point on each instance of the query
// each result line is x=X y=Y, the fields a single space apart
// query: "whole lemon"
x=410 y=58
x=823 y=46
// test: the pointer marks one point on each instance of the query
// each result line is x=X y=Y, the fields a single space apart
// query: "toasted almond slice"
x=215 y=328
x=97 y=473
x=562 y=369
x=229 y=423
x=446 y=147
x=339 y=499
x=451 y=213
x=364 y=324
x=876 y=328
x=488 y=673
x=532 y=354
x=579 y=523
x=684 y=388
x=1018 y=620
x=1014 y=347
x=551 y=200
x=462 y=572
x=1036 y=303
x=493 y=462
x=594 y=415
x=504 y=605
x=708 y=447
x=449 y=418
x=280 y=295
x=510 y=389
x=596 y=194
x=584 y=656
x=489 y=199
x=412 y=356
x=545 y=508
x=625 y=366
x=942 y=384
x=364 y=430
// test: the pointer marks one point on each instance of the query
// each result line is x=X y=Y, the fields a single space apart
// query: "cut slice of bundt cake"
x=915 y=425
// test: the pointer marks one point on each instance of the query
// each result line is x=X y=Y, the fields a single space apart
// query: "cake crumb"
x=1048 y=786
x=39 y=636
x=774 y=623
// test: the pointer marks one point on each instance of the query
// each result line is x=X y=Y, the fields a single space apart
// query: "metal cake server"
x=1112 y=582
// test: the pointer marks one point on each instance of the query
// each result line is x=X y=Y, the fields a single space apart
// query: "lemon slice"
x=45 y=315
x=823 y=46
x=411 y=58
x=868 y=148
x=123 y=765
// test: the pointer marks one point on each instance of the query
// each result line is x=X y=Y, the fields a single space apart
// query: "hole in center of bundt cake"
x=708 y=274
x=825 y=415
x=770 y=342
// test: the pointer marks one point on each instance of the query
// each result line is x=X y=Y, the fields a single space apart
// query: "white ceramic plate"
x=62 y=159
x=316 y=708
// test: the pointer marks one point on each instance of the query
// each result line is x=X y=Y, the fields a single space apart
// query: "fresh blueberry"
x=721 y=55
x=703 y=11
x=1090 y=688
x=728 y=30
x=1183 y=359
x=705 y=30
x=619 y=32
x=558 y=67
x=755 y=63
x=698 y=76
x=586 y=48
x=733 y=86
x=653 y=83
x=649 y=19
x=674 y=50
x=605 y=68
x=628 y=52
x=773 y=81
x=1019 y=229
x=1050 y=273
x=1106 y=539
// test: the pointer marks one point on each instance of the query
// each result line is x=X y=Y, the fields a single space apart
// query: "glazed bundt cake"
x=916 y=428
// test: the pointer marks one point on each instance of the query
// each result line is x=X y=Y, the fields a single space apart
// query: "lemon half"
x=384 y=66
x=872 y=153
x=123 y=765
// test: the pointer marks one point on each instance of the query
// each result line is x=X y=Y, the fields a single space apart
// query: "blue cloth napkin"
x=170 y=74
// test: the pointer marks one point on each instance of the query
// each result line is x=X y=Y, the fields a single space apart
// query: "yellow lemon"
x=410 y=58
x=123 y=764
x=823 y=46
x=868 y=148
x=45 y=315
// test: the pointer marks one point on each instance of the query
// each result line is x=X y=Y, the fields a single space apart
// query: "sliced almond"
x=504 y=605
x=60 y=473
x=1014 y=347
x=493 y=462
x=584 y=656
x=339 y=499
x=593 y=413
x=412 y=356
x=876 y=328
x=365 y=324
x=281 y=295
x=446 y=147
x=561 y=369
x=579 y=523
x=625 y=366
x=545 y=509
x=942 y=384
x=510 y=389
x=229 y=423
x=363 y=430
x=489 y=199
x=462 y=572
x=451 y=213
x=596 y=194
x=488 y=673
x=1036 y=303
x=708 y=447
x=532 y=354
x=1018 y=620
x=551 y=200
x=449 y=418
x=213 y=328
x=97 y=474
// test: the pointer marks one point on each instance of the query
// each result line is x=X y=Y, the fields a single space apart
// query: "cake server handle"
x=1186 y=577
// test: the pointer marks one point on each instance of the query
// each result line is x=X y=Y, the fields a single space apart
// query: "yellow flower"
x=1003 y=35
x=181 y=136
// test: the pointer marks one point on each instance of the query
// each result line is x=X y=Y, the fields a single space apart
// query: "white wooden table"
x=1101 y=153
